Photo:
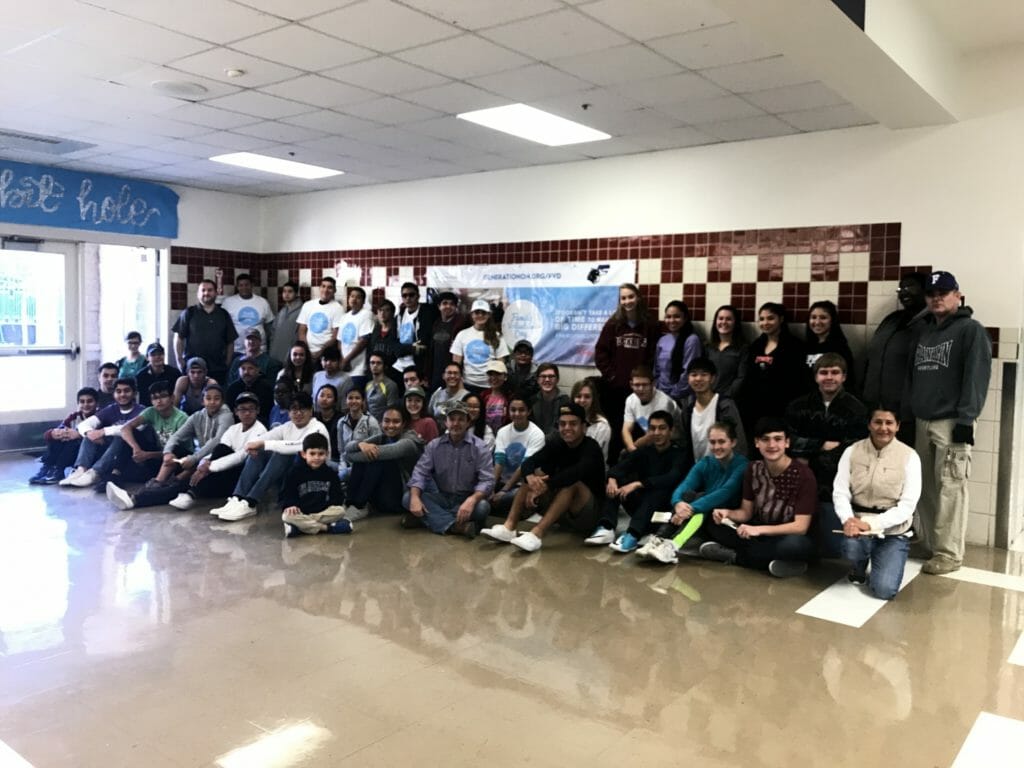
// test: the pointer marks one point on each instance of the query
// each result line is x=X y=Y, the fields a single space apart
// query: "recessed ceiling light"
x=234 y=72
x=275 y=165
x=534 y=124
x=178 y=88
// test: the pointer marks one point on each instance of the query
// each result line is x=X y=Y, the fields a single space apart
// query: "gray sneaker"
x=712 y=550
x=787 y=569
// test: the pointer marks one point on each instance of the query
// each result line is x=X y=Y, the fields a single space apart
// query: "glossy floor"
x=161 y=638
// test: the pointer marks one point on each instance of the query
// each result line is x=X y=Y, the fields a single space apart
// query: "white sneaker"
x=119 y=497
x=238 y=511
x=182 y=501
x=498 y=533
x=647 y=545
x=528 y=542
x=665 y=552
x=228 y=503
x=354 y=513
x=79 y=471
x=600 y=537
x=87 y=479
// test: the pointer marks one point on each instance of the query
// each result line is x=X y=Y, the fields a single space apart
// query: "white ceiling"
x=371 y=87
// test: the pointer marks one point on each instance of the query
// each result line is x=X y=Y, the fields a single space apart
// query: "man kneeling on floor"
x=564 y=482
x=311 y=500
x=780 y=497
x=877 y=486
x=459 y=466
x=270 y=458
x=642 y=483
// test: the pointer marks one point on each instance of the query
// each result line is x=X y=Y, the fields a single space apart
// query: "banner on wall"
x=560 y=308
x=41 y=196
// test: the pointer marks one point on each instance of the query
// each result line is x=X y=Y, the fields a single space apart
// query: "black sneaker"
x=409 y=520
x=39 y=478
x=787 y=569
x=339 y=526
x=53 y=476
x=857 y=576
x=712 y=550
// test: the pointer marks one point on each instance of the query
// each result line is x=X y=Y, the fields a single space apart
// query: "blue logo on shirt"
x=478 y=352
x=248 y=317
x=319 y=323
x=514 y=455
x=348 y=334
x=406 y=333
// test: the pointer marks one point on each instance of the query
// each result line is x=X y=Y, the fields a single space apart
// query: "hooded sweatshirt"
x=949 y=369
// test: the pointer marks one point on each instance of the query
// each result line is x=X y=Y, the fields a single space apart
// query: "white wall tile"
x=992 y=407
x=981 y=497
x=985 y=437
x=178 y=273
x=695 y=270
x=980 y=529
x=305 y=277
x=982 y=466
x=649 y=271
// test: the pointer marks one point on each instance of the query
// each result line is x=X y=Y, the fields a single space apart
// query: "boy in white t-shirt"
x=353 y=332
x=514 y=442
x=249 y=312
x=318 y=319
x=644 y=401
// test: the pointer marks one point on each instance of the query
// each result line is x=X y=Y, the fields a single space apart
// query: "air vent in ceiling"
x=43 y=145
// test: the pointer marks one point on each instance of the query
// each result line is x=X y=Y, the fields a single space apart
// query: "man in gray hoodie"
x=947 y=383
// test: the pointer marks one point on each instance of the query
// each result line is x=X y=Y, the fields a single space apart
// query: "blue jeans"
x=441 y=509
x=261 y=472
x=888 y=557
x=89 y=452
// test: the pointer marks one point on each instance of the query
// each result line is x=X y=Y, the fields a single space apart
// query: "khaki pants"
x=315 y=522
x=945 y=469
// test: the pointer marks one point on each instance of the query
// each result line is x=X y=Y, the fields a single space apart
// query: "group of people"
x=759 y=454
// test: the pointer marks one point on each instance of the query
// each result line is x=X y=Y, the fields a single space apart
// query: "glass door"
x=39 y=327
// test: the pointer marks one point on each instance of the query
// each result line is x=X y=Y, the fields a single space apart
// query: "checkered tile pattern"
x=856 y=266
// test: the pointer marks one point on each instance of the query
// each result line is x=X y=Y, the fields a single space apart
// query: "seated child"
x=64 y=440
x=311 y=500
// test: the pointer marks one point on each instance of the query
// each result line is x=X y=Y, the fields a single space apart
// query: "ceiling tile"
x=475 y=14
x=390 y=111
x=713 y=110
x=536 y=81
x=190 y=147
x=578 y=105
x=793 y=98
x=321 y=91
x=454 y=98
x=713 y=47
x=747 y=128
x=233 y=142
x=827 y=118
x=656 y=18
x=155 y=156
x=610 y=147
x=134 y=38
x=328 y=121
x=757 y=75
x=211 y=117
x=555 y=35
x=674 y=138
x=639 y=120
x=260 y=105
x=465 y=133
x=299 y=46
x=215 y=62
x=279 y=132
x=297 y=9
x=219 y=21
x=62 y=55
x=464 y=57
x=671 y=89
x=382 y=25
x=617 y=65
x=386 y=75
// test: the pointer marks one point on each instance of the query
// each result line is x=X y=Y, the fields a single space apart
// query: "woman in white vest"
x=875 y=494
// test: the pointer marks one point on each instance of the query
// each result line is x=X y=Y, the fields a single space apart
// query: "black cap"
x=573 y=409
x=941 y=282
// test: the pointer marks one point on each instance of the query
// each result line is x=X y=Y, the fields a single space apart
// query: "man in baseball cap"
x=949 y=374
x=564 y=482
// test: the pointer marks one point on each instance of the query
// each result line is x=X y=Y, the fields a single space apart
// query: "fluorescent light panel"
x=534 y=124
x=275 y=165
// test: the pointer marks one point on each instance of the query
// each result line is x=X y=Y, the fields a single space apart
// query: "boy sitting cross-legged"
x=311 y=500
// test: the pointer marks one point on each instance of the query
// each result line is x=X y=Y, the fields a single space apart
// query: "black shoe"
x=409 y=520
x=54 y=476
x=39 y=478
x=857 y=577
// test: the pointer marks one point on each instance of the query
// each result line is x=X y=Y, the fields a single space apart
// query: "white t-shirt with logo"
x=639 y=413
x=319 y=319
x=407 y=322
x=248 y=314
x=352 y=326
x=512 y=446
x=476 y=353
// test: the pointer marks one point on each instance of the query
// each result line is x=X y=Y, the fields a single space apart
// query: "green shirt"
x=164 y=428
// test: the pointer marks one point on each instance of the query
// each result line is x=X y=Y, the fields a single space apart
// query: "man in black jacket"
x=642 y=483
x=822 y=424
x=564 y=482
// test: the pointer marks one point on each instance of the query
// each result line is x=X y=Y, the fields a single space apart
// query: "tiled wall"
x=856 y=266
